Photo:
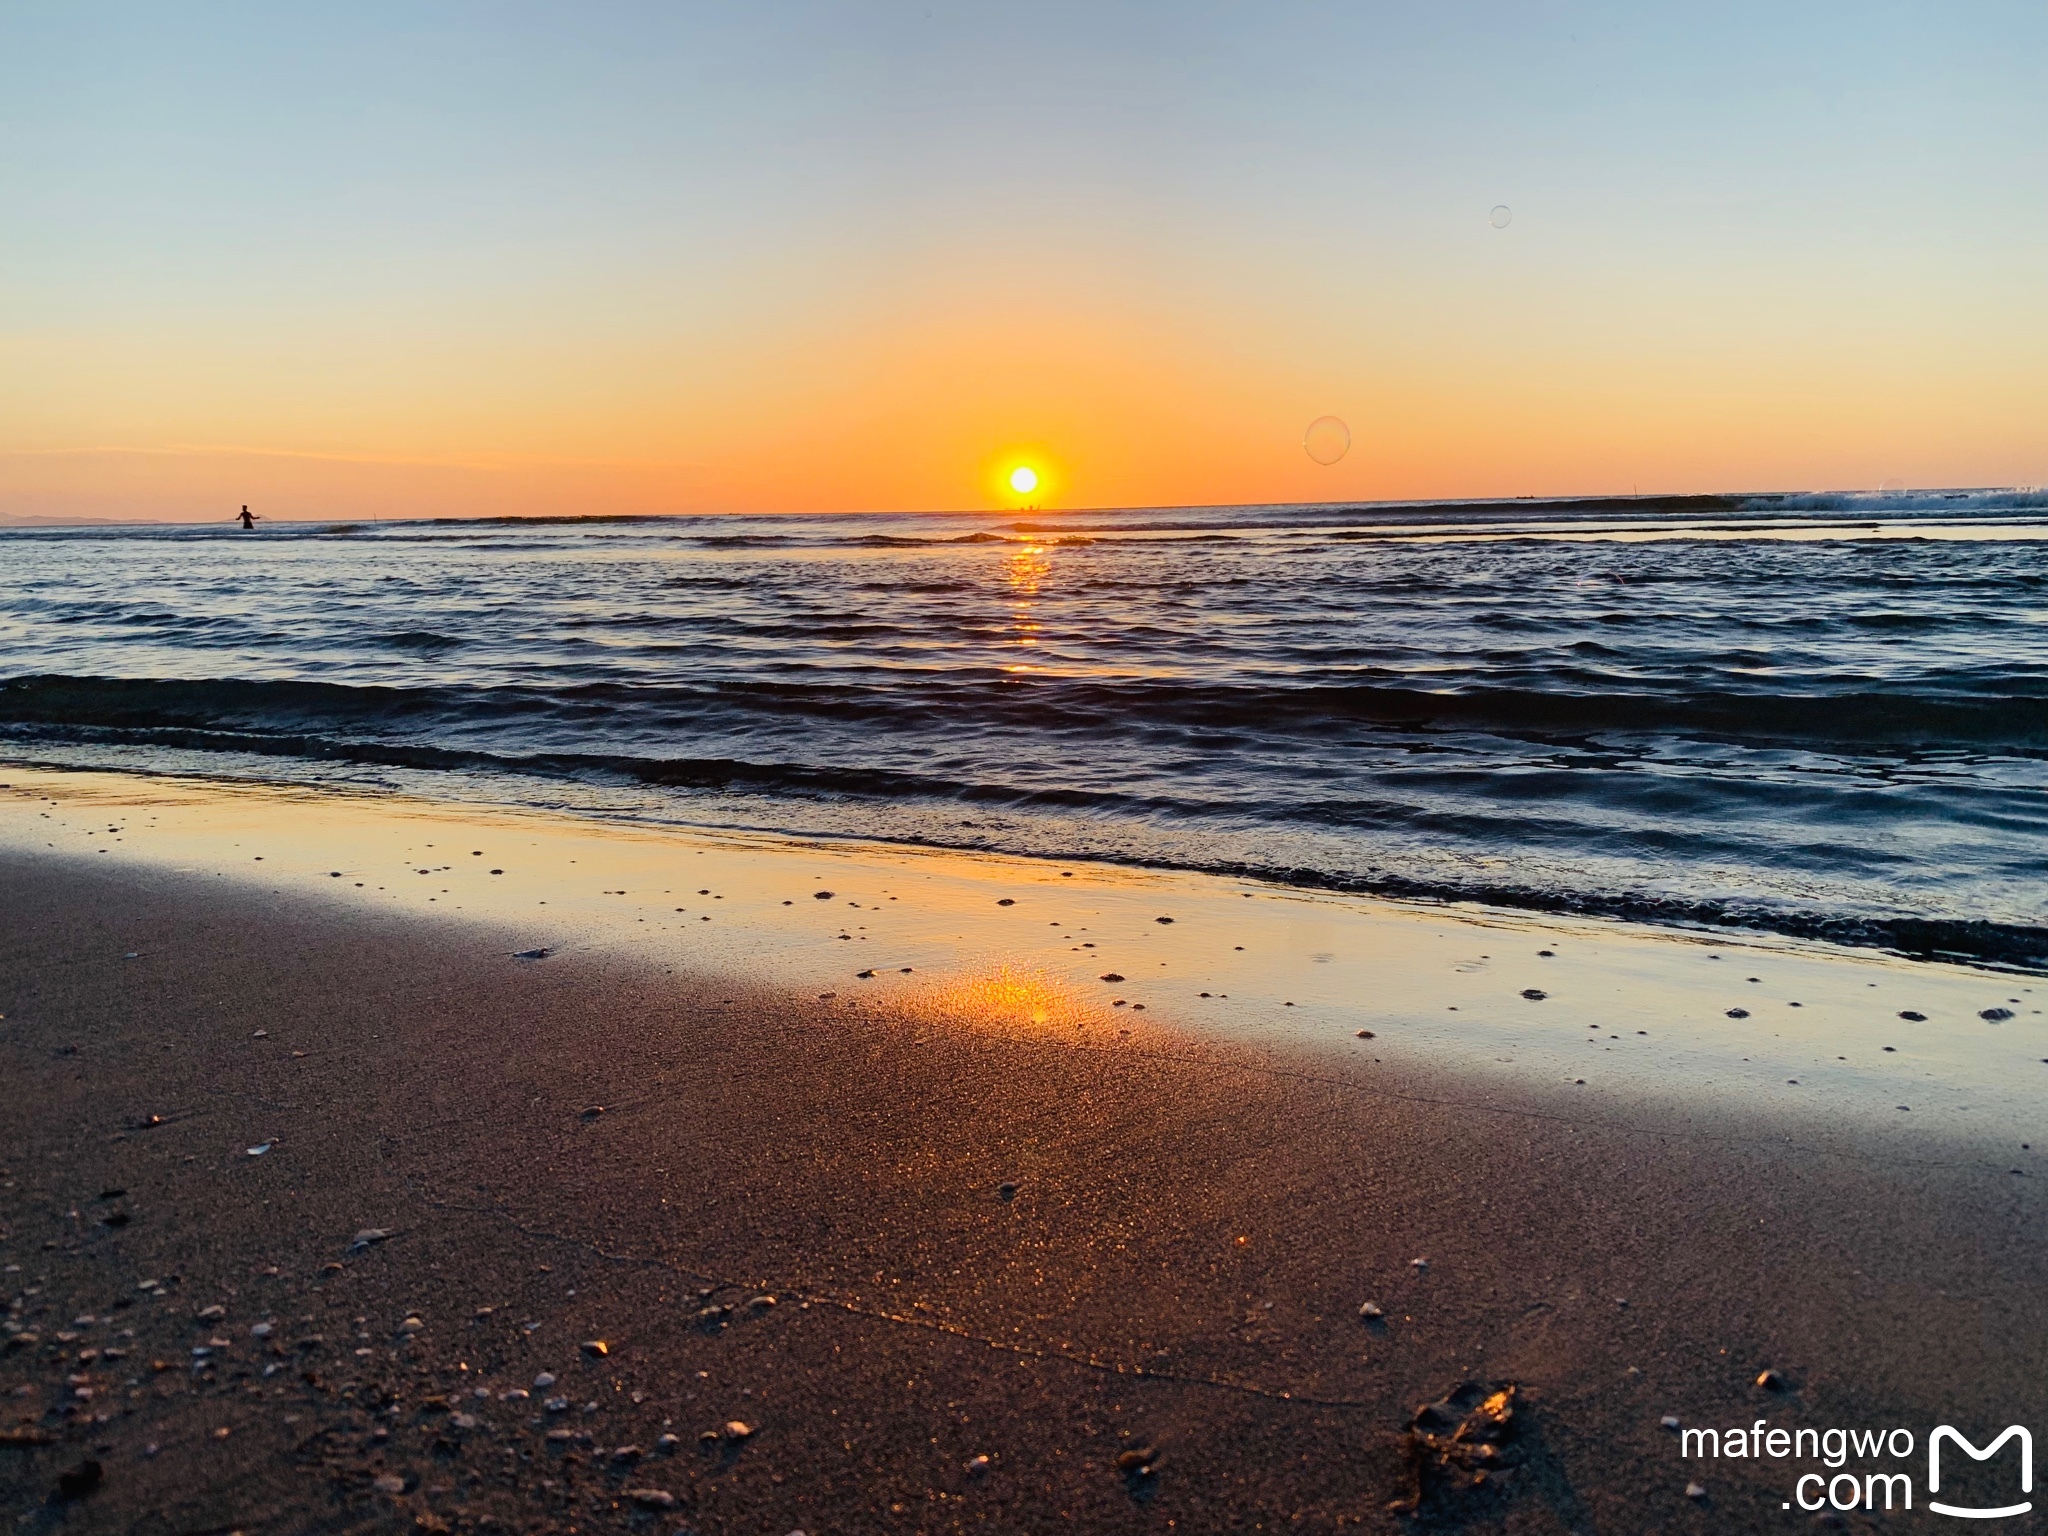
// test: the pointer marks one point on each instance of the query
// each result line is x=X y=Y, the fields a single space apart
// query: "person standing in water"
x=248 y=518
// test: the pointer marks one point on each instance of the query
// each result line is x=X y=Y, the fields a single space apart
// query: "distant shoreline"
x=1754 y=503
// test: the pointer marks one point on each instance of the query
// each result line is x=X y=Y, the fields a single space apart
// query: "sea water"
x=1816 y=715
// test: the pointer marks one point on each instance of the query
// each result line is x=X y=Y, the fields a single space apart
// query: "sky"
x=453 y=259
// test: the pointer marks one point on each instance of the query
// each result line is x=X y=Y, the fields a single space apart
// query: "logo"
x=1853 y=1473
x=2013 y=1431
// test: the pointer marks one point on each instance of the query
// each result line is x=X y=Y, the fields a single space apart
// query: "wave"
x=418 y=640
x=2014 y=946
x=1725 y=511
x=2001 y=712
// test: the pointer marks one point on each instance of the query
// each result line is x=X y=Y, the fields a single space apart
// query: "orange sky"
x=562 y=274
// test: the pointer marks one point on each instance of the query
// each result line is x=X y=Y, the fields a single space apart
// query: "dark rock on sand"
x=80 y=1480
x=1139 y=1461
x=1467 y=1453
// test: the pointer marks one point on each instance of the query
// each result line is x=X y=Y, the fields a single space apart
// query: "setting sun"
x=1023 y=479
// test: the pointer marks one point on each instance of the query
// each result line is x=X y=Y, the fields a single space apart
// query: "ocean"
x=1816 y=715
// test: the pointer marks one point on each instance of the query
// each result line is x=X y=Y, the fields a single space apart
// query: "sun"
x=1023 y=479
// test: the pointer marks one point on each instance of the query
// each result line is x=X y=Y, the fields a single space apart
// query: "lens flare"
x=1327 y=440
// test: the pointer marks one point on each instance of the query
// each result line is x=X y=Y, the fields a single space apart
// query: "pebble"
x=626 y=1455
x=668 y=1445
x=1420 y=1264
x=1995 y=1015
x=532 y=954
x=369 y=1237
x=412 y=1325
x=544 y=1380
x=1364 y=1034
x=1007 y=901
x=1738 y=1013
x=260 y=1331
x=1669 y=1421
x=1771 y=1381
x=390 y=1482
x=652 y=1498
x=1911 y=1017
x=976 y=1465
x=211 y=1314
x=820 y=895
x=1372 y=1311
x=596 y=1347
x=1111 y=976
x=1141 y=1460
x=762 y=1302
x=463 y=1420
x=557 y=1405
x=736 y=1429
x=1695 y=1491
x=1534 y=994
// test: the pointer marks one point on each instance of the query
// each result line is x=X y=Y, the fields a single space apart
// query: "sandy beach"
x=746 y=1208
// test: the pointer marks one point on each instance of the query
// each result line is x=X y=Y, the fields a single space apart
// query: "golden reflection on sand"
x=1618 y=1020
x=1013 y=1000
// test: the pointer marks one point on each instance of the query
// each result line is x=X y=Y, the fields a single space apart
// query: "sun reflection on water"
x=1026 y=570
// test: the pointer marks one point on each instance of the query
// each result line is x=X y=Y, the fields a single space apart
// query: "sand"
x=997 y=1215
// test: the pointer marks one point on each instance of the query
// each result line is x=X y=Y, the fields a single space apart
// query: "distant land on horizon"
x=1751 y=502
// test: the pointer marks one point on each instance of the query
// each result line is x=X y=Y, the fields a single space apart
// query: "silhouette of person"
x=248 y=518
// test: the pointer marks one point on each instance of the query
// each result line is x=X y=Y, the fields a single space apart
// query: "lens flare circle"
x=1327 y=440
x=1023 y=479
x=1501 y=217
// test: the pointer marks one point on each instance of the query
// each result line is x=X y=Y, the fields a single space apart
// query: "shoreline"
x=999 y=1216
x=1668 y=1020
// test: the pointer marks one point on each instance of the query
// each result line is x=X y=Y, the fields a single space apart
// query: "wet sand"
x=997 y=1216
